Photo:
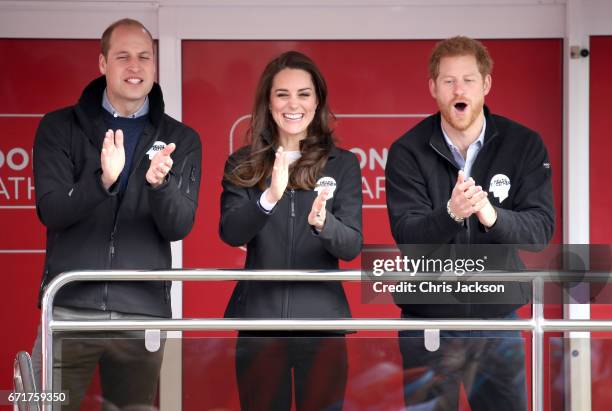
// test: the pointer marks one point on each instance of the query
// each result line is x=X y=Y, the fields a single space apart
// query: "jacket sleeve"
x=174 y=203
x=532 y=217
x=62 y=197
x=241 y=216
x=342 y=232
x=412 y=216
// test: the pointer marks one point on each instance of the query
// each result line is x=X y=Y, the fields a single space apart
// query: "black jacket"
x=283 y=239
x=88 y=228
x=420 y=176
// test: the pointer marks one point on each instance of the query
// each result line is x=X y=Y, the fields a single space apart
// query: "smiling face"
x=293 y=104
x=460 y=90
x=129 y=67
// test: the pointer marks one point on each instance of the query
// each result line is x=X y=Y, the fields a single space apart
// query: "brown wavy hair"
x=253 y=163
x=460 y=46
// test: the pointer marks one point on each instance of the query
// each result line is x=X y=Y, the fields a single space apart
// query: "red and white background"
x=377 y=89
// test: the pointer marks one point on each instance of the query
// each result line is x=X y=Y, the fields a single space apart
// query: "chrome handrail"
x=537 y=324
x=24 y=383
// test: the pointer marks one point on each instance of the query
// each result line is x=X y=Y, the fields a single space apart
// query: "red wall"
x=600 y=175
x=363 y=77
x=36 y=76
x=600 y=172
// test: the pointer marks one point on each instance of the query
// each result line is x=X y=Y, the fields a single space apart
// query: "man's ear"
x=488 y=80
x=102 y=64
x=432 y=88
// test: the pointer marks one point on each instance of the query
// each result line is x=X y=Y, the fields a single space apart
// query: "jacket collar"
x=333 y=152
x=437 y=138
x=91 y=101
x=89 y=109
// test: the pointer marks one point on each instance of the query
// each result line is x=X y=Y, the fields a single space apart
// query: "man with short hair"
x=437 y=178
x=116 y=181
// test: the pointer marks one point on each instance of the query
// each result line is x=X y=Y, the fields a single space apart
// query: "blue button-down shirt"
x=142 y=111
x=466 y=163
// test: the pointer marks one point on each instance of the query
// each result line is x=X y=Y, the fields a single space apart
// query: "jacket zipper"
x=474 y=168
x=111 y=256
x=290 y=256
x=467 y=223
x=443 y=156
x=467 y=220
x=292 y=204
x=111 y=246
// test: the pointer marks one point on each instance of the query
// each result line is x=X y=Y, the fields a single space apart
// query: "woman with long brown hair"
x=294 y=199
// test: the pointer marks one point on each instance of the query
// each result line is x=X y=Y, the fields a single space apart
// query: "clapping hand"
x=160 y=166
x=112 y=157
x=317 y=215
x=280 y=176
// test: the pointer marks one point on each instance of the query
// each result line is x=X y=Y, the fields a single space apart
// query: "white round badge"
x=326 y=183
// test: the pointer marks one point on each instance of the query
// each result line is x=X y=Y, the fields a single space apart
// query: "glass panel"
x=362 y=371
x=573 y=361
x=359 y=372
x=103 y=370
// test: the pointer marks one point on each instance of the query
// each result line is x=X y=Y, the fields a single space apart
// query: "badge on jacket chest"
x=156 y=148
x=500 y=186
x=326 y=183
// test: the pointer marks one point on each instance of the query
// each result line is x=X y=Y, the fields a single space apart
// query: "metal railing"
x=537 y=325
x=24 y=383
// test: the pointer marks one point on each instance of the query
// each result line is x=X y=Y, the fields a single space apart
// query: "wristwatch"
x=452 y=215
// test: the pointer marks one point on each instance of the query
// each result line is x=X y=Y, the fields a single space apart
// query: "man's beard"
x=466 y=122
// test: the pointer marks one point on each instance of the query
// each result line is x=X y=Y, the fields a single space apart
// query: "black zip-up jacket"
x=420 y=176
x=88 y=228
x=283 y=239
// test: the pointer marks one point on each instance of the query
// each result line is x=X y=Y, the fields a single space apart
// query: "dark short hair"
x=460 y=46
x=106 y=36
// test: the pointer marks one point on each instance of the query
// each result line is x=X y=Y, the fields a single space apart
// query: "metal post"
x=537 y=342
x=47 y=345
x=46 y=320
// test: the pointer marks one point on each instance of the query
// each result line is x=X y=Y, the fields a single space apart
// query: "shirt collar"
x=478 y=143
x=142 y=111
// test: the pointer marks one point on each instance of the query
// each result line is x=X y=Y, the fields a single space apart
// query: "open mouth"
x=293 y=116
x=134 y=80
x=461 y=106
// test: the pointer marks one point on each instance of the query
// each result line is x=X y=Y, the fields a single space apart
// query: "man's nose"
x=459 y=88
x=133 y=65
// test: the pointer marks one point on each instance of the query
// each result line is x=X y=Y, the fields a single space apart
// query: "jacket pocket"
x=187 y=178
x=191 y=181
